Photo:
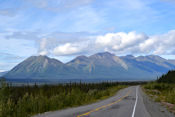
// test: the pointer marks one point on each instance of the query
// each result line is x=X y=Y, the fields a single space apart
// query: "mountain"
x=171 y=61
x=107 y=59
x=39 y=67
x=168 y=78
x=79 y=63
x=98 y=66
x=152 y=64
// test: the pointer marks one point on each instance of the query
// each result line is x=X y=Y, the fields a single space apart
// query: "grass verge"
x=163 y=93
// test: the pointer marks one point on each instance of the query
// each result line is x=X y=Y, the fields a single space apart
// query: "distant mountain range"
x=3 y=73
x=98 y=66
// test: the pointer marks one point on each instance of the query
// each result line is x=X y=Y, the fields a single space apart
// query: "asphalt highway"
x=128 y=102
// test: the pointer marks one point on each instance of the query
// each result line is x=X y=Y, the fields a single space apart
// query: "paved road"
x=128 y=102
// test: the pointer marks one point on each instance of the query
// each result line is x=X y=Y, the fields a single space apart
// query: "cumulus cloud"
x=119 y=41
x=44 y=52
x=159 y=44
x=66 y=49
x=134 y=43
x=65 y=43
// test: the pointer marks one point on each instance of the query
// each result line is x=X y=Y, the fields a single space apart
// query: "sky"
x=64 y=29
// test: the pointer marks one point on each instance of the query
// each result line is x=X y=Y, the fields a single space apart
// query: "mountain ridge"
x=100 y=65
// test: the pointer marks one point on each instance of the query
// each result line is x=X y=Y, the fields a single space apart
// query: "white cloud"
x=43 y=52
x=66 y=49
x=58 y=41
x=137 y=43
x=159 y=44
x=119 y=43
x=120 y=40
x=65 y=44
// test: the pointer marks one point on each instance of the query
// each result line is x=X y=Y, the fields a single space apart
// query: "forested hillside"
x=168 y=78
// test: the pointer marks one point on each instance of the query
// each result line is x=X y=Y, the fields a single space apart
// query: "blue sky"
x=64 y=29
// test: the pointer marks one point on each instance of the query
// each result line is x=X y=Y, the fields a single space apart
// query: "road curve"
x=128 y=102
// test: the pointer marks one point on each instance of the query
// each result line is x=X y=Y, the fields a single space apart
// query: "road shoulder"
x=155 y=109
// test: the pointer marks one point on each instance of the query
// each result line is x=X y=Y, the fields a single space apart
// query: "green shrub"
x=163 y=91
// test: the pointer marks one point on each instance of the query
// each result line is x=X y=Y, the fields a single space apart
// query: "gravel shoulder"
x=155 y=109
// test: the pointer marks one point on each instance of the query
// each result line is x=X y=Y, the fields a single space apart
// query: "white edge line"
x=133 y=113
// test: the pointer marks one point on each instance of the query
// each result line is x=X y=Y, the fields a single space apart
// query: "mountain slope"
x=38 y=67
x=151 y=63
x=98 y=66
x=107 y=65
x=107 y=59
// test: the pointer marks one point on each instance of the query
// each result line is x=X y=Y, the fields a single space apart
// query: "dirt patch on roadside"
x=170 y=106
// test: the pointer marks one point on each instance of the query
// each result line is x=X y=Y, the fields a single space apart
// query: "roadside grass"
x=26 y=101
x=162 y=92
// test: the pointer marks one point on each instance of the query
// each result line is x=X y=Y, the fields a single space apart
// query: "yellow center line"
x=104 y=106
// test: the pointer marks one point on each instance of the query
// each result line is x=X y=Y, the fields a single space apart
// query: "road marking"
x=104 y=106
x=133 y=113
